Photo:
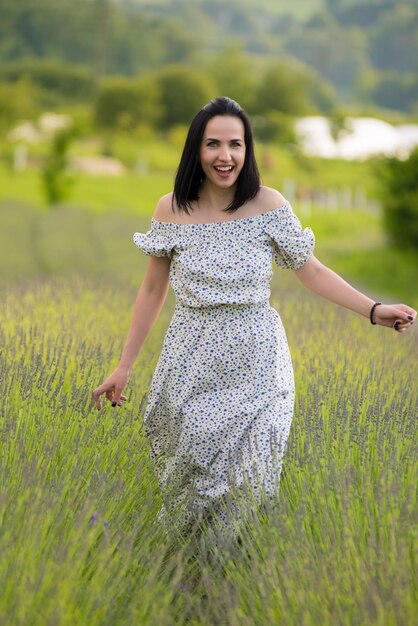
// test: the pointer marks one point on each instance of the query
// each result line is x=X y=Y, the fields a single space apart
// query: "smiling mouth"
x=224 y=169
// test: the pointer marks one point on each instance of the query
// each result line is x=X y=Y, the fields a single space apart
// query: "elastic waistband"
x=224 y=306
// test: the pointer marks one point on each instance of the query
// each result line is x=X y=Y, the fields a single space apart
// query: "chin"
x=224 y=184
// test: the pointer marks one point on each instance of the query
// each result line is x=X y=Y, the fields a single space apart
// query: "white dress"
x=221 y=400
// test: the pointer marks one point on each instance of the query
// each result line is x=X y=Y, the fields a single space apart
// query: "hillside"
x=366 y=50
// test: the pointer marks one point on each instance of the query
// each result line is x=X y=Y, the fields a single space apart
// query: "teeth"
x=224 y=169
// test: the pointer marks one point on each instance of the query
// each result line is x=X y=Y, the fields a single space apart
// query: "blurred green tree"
x=56 y=177
x=183 y=92
x=101 y=34
x=396 y=91
x=321 y=93
x=52 y=77
x=399 y=182
x=284 y=88
x=275 y=126
x=337 y=53
x=394 y=42
x=124 y=103
x=16 y=103
x=234 y=76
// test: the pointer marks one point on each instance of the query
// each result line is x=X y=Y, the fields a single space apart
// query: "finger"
x=406 y=317
x=410 y=311
x=117 y=396
x=402 y=323
x=405 y=327
x=109 y=395
x=99 y=391
x=406 y=313
x=399 y=327
x=95 y=397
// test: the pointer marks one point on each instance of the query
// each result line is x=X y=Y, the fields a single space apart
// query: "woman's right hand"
x=112 y=387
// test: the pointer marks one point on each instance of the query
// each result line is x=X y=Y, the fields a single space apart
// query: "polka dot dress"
x=221 y=399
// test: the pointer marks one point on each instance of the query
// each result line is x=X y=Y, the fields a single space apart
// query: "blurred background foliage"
x=400 y=202
x=363 y=53
x=130 y=74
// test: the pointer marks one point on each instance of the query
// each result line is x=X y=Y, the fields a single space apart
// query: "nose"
x=225 y=154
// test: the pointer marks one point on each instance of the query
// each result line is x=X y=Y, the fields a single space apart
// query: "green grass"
x=131 y=194
x=339 y=546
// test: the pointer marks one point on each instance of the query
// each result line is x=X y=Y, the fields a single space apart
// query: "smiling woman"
x=221 y=400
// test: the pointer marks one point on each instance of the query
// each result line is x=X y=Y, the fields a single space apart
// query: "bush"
x=234 y=75
x=16 y=103
x=183 y=93
x=66 y=80
x=124 y=103
x=400 y=199
x=56 y=176
x=284 y=87
x=275 y=126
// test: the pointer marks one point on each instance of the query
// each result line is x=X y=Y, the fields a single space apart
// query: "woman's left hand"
x=397 y=316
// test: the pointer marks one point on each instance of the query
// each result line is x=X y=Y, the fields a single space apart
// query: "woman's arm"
x=149 y=301
x=323 y=281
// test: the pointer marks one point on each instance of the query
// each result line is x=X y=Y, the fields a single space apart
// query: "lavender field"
x=80 y=542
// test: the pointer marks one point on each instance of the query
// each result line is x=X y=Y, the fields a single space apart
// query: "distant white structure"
x=362 y=138
x=50 y=123
x=25 y=131
x=409 y=133
x=46 y=126
x=98 y=166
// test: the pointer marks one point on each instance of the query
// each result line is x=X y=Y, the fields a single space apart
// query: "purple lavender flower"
x=93 y=518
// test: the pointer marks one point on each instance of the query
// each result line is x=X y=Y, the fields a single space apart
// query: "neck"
x=215 y=199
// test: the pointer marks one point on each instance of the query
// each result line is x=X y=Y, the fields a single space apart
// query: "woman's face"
x=222 y=152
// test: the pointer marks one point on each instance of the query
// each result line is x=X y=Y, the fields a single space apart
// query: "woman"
x=221 y=400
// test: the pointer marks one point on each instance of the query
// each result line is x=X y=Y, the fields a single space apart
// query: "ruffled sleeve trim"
x=157 y=241
x=292 y=245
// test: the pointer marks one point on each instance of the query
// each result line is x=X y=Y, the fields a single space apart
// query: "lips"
x=223 y=170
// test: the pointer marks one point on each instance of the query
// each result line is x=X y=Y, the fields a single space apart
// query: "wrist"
x=123 y=368
x=372 y=313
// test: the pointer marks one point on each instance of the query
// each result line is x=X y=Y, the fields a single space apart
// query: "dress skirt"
x=220 y=407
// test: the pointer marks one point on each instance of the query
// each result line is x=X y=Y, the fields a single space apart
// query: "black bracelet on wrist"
x=372 y=311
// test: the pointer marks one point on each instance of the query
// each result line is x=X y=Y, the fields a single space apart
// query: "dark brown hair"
x=190 y=173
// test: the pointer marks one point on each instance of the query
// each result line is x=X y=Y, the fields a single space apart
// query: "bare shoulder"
x=269 y=198
x=164 y=209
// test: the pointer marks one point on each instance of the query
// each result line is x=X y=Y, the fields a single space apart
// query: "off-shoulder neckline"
x=240 y=219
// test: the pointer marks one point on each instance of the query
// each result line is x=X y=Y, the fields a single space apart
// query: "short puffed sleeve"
x=292 y=246
x=157 y=241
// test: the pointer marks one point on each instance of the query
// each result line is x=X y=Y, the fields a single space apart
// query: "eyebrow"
x=216 y=139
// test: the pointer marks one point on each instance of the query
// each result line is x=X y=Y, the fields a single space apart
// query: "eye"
x=236 y=144
x=211 y=143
